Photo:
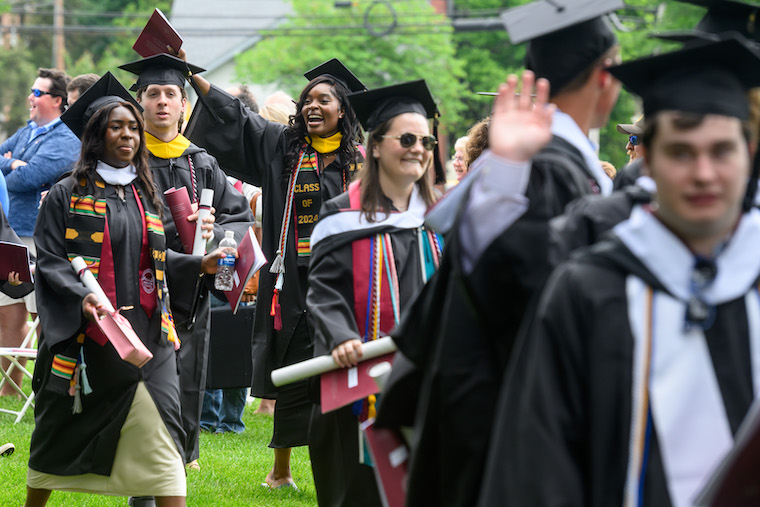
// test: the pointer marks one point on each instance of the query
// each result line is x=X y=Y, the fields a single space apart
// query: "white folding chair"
x=27 y=350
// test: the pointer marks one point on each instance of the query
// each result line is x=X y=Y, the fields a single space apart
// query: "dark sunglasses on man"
x=40 y=93
x=408 y=139
x=634 y=140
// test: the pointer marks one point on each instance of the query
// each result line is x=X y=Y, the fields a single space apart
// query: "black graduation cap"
x=106 y=90
x=566 y=36
x=376 y=106
x=161 y=69
x=373 y=107
x=335 y=69
x=705 y=78
x=721 y=16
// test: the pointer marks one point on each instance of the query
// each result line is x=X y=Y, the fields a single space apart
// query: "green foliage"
x=409 y=52
x=19 y=74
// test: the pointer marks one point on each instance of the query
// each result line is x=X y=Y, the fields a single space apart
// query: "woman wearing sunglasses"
x=371 y=254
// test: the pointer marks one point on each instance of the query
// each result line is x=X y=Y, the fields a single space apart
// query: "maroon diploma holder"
x=119 y=332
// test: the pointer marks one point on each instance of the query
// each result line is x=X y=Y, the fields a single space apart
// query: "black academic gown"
x=339 y=478
x=586 y=220
x=562 y=428
x=8 y=235
x=232 y=212
x=71 y=444
x=253 y=150
x=461 y=330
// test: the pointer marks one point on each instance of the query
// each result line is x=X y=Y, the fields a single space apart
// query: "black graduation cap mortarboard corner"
x=337 y=70
x=106 y=90
x=162 y=69
x=722 y=16
x=703 y=78
x=376 y=106
x=373 y=107
x=566 y=36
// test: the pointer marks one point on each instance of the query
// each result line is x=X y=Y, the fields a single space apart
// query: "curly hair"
x=477 y=140
x=93 y=147
x=348 y=125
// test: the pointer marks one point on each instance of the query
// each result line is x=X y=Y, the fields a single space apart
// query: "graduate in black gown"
x=644 y=355
x=371 y=237
x=298 y=167
x=176 y=163
x=461 y=330
x=102 y=424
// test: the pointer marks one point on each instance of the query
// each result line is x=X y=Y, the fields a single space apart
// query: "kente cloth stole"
x=307 y=199
x=304 y=214
x=87 y=236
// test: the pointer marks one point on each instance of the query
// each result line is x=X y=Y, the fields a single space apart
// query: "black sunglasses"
x=634 y=140
x=408 y=140
x=40 y=93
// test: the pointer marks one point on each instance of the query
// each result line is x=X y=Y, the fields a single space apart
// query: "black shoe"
x=141 y=501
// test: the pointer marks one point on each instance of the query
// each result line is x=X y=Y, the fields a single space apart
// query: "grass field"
x=232 y=468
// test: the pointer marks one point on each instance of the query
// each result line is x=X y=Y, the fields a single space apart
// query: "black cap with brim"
x=162 y=69
x=106 y=90
x=703 y=78
x=374 y=107
x=566 y=36
x=721 y=17
x=335 y=69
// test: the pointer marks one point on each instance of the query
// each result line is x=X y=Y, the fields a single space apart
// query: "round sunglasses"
x=408 y=140
x=634 y=140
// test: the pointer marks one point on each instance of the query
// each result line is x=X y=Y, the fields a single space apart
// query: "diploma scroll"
x=89 y=281
x=204 y=210
x=326 y=363
x=113 y=325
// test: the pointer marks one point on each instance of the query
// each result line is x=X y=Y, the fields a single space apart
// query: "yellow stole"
x=325 y=144
x=173 y=149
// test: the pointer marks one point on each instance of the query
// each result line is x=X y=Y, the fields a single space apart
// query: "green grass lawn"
x=232 y=468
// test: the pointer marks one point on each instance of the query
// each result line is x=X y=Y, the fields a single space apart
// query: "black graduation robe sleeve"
x=330 y=299
x=538 y=449
x=246 y=145
x=60 y=290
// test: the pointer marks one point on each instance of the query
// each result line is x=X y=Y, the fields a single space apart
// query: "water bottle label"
x=227 y=261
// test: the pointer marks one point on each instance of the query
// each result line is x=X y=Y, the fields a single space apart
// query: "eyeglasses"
x=634 y=140
x=40 y=93
x=408 y=140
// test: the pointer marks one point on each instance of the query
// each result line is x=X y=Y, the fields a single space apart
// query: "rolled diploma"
x=89 y=281
x=323 y=364
x=204 y=210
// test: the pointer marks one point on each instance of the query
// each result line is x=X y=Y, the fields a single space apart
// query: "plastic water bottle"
x=226 y=266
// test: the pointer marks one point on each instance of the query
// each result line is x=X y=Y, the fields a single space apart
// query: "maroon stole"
x=106 y=275
x=368 y=275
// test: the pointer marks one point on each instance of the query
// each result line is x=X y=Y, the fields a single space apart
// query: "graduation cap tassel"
x=76 y=387
x=276 y=311
x=440 y=174
x=83 y=374
x=754 y=178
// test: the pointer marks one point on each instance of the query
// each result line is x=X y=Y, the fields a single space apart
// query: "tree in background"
x=419 y=46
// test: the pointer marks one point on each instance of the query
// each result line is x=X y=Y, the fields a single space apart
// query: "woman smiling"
x=297 y=166
x=371 y=255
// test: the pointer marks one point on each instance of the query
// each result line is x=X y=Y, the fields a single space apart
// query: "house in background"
x=216 y=31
